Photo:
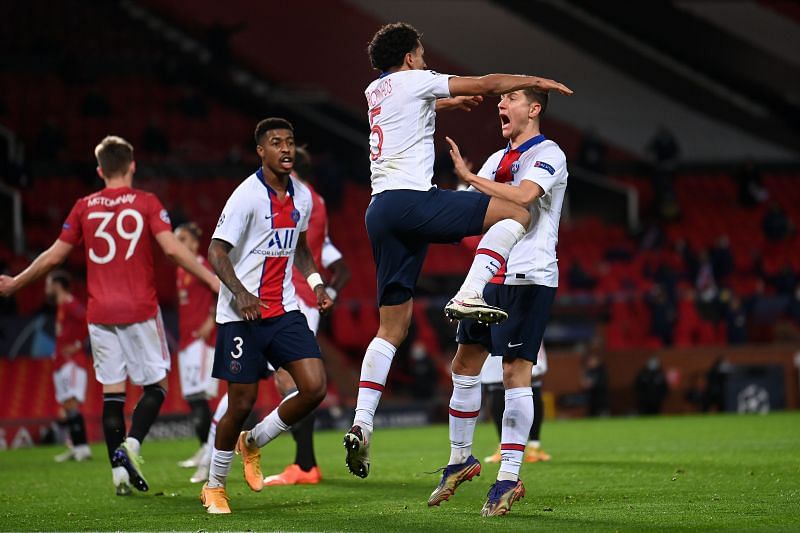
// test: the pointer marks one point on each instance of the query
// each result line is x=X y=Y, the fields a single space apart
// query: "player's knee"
x=316 y=389
x=521 y=215
x=517 y=373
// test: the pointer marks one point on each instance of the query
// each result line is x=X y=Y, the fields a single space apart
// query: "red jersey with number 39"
x=115 y=226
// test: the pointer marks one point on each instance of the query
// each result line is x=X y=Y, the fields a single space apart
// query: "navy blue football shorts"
x=402 y=223
x=245 y=348
x=520 y=335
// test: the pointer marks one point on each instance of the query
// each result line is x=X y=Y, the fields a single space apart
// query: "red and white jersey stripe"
x=263 y=231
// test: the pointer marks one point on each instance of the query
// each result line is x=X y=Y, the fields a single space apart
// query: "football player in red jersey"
x=69 y=365
x=127 y=335
x=197 y=335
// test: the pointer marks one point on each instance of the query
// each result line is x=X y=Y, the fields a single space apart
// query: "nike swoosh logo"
x=267 y=217
x=515 y=345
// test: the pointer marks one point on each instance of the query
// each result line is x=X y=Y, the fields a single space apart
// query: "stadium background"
x=679 y=238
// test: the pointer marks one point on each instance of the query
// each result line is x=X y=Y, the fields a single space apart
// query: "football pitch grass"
x=622 y=474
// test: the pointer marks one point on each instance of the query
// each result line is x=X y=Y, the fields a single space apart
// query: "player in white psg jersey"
x=407 y=213
x=260 y=235
x=530 y=171
x=114 y=225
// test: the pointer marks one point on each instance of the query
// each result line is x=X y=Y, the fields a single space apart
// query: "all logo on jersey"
x=546 y=166
x=282 y=239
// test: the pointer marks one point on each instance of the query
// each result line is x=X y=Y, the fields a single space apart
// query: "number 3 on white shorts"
x=237 y=352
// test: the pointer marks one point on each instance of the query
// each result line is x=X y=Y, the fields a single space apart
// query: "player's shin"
x=113 y=421
x=517 y=420
x=270 y=427
x=492 y=252
x=374 y=371
x=146 y=411
x=220 y=467
x=465 y=405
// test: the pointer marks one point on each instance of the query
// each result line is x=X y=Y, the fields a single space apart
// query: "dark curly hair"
x=272 y=123
x=390 y=45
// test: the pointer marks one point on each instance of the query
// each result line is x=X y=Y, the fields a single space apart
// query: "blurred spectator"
x=705 y=283
x=49 y=142
x=717 y=376
x=651 y=387
x=776 y=224
x=664 y=149
x=192 y=104
x=783 y=281
x=154 y=139
x=735 y=318
x=695 y=393
x=751 y=188
x=579 y=278
x=595 y=385
x=662 y=314
x=95 y=104
x=690 y=263
x=423 y=371
x=592 y=152
x=234 y=155
x=722 y=259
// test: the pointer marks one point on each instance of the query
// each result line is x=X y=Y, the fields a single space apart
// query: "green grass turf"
x=690 y=472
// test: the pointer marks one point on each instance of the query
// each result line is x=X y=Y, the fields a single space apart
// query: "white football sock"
x=465 y=406
x=220 y=467
x=133 y=444
x=517 y=421
x=374 y=371
x=222 y=408
x=266 y=430
x=491 y=255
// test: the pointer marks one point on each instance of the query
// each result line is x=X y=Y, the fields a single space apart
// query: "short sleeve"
x=489 y=167
x=232 y=222
x=330 y=253
x=305 y=215
x=71 y=230
x=428 y=84
x=546 y=169
x=157 y=216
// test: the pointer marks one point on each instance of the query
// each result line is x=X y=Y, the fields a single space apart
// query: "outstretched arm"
x=524 y=195
x=181 y=255
x=497 y=84
x=463 y=103
x=44 y=263
x=249 y=305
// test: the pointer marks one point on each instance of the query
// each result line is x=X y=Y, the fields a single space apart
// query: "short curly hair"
x=391 y=43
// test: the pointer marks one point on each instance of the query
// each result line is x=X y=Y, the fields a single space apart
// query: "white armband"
x=314 y=280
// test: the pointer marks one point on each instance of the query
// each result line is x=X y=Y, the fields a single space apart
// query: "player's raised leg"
x=465 y=405
x=505 y=224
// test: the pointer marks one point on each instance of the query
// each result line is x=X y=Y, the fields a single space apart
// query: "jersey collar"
x=530 y=143
x=270 y=190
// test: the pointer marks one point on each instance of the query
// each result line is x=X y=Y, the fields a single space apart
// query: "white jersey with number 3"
x=263 y=232
x=402 y=118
